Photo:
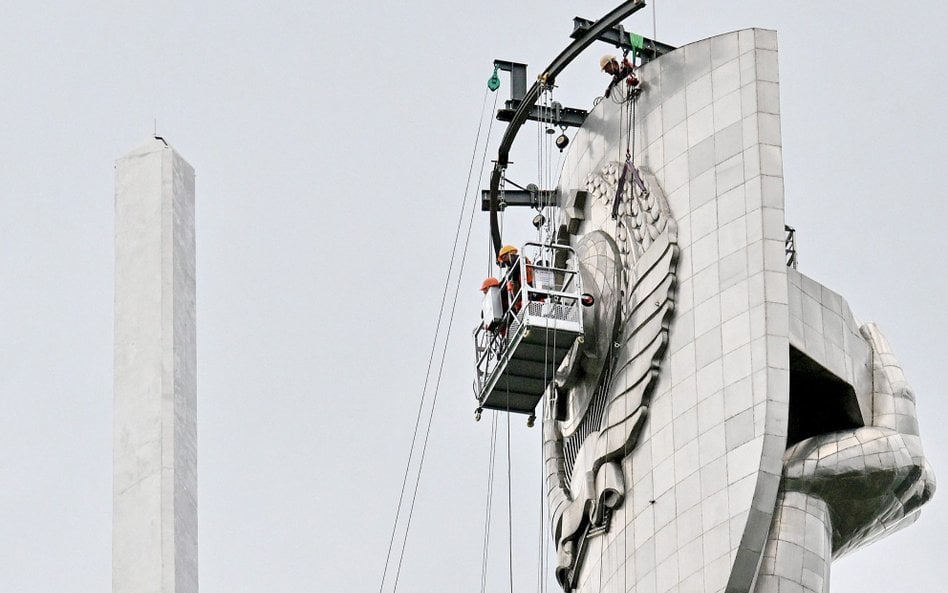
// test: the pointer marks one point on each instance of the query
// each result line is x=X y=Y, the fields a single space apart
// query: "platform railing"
x=551 y=301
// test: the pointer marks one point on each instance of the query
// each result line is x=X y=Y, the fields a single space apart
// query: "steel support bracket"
x=620 y=38
x=519 y=197
x=564 y=116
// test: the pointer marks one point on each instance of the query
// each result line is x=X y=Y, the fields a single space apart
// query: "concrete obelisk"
x=154 y=490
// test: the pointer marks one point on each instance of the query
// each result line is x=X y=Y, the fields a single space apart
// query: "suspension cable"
x=438 y=325
x=490 y=491
x=444 y=350
x=541 y=569
x=509 y=501
x=633 y=98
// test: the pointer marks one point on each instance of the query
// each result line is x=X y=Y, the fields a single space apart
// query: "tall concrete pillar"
x=154 y=490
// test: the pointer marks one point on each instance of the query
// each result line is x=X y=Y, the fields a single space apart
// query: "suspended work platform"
x=529 y=323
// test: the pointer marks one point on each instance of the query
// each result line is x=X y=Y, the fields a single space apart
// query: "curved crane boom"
x=520 y=116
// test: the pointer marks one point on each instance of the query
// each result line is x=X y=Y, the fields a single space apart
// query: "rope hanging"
x=629 y=170
x=490 y=493
x=438 y=331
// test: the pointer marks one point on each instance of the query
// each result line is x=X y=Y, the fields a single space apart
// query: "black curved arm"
x=529 y=101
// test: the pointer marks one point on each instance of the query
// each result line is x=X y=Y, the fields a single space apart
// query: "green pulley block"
x=493 y=83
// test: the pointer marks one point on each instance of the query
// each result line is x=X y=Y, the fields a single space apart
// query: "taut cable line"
x=438 y=326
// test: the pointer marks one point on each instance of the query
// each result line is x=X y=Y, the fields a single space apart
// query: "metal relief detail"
x=600 y=400
x=783 y=363
x=643 y=214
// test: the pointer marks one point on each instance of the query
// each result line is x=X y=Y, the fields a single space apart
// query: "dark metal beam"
x=549 y=75
x=565 y=116
x=619 y=37
x=518 y=77
x=519 y=197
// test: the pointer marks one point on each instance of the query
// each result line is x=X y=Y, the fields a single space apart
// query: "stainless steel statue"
x=726 y=425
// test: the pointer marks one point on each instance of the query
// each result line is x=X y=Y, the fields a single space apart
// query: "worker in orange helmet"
x=495 y=323
x=488 y=282
x=509 y=258
x=618 y=70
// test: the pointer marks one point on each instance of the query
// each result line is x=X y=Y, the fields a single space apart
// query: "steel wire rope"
x=444 y=349
x=550 y=183
x=490 y=493
x=546 y=239
x=540 y=542
x=625 y=540
x=546 y=364
x=557 y=213
x=631 y=133
x=543 y=409
x=542 y=174
x=545 y=163
x=546 y=346
x=547 y=152
x=550 y=173
x=543 y=240
x=509 y=472
x=553 y=212
x=509 y=501
x=434 y=343
x=541 y=129
x=614 y=97
x=541 y=157
x=541 y=569
x=541 y=126
x=602 y=547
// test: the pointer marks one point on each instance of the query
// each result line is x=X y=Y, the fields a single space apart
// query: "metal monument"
x=713 y=419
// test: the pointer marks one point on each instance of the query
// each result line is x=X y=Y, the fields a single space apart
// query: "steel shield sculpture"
x=726 y=425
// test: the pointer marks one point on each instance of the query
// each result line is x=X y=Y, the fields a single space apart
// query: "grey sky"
x=331 y=144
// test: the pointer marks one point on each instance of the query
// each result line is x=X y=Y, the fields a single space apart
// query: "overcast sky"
x=331 y=144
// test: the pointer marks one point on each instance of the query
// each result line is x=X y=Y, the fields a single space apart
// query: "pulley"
x=493 y=83
x=562 y=141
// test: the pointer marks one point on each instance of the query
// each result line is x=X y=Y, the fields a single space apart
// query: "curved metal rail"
x=523 y=110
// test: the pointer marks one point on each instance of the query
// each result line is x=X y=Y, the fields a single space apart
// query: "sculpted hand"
x=874 y=478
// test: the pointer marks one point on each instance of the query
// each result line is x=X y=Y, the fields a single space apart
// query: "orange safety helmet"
x=488 y=282
x=505 y=251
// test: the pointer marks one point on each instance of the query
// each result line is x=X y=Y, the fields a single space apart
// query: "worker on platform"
x=618 y=70
x=494 y=308
x=488 y=282
x=509 y=259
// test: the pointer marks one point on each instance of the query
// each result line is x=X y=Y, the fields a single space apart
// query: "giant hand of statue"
x=846 y=489
x=600 y=398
